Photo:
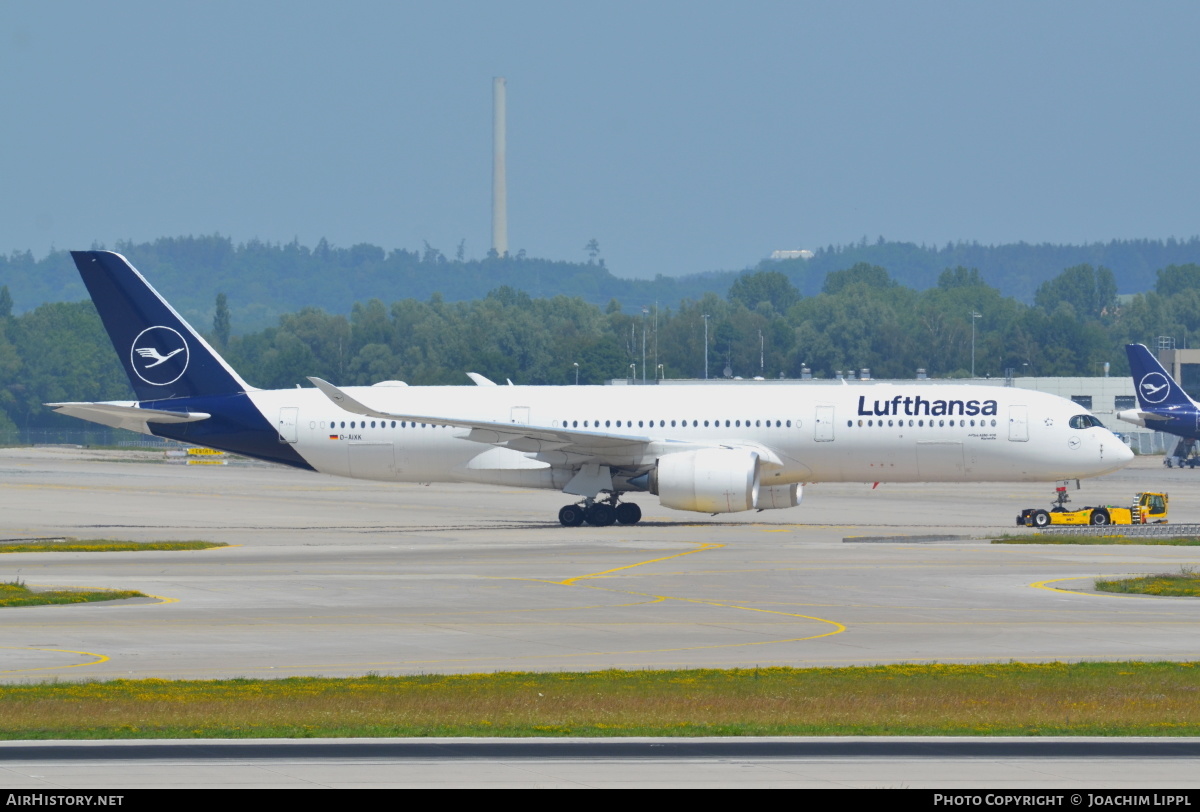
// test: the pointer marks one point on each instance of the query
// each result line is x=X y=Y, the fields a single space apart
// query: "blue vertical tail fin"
x=162 y=355
x=1155 y=388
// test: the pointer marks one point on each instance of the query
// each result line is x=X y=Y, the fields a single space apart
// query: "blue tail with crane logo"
x=173 y=369
x=1156 y=390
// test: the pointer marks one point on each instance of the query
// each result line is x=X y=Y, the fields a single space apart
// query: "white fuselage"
x=920 y=432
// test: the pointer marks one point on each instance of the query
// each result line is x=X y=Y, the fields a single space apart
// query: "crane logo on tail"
x=159 y=356
x=1154 y=387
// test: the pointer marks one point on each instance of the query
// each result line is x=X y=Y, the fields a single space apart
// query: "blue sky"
x=683 y=136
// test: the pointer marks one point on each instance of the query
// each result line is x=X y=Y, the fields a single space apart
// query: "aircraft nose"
x=1117 y=452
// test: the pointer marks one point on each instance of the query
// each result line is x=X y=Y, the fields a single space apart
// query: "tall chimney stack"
x=499 y=183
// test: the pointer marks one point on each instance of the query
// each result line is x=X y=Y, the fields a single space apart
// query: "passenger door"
x=288 y=416
x=823 y=426
x=1018 y=424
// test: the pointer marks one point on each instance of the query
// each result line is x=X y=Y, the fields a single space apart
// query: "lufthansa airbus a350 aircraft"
x=711 y=449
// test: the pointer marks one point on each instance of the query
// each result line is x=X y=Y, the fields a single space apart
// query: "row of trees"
x=763 y=326
x=268 y=280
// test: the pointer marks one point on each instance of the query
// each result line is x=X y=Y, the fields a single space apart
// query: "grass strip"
x=18 y=594
x=1184 y=584
x=1179 y=541
x=1013 y=699
x=106 y=546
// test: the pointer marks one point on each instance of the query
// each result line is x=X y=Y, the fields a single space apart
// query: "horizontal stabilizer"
x=125 y=414
x=1153 y=416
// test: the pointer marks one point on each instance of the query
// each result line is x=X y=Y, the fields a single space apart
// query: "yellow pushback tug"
x=1147 y=508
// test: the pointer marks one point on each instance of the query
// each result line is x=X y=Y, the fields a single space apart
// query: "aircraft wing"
x=573 y=445
x=125 y=414
x=518 y=436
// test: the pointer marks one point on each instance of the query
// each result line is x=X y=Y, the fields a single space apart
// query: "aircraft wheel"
x=601 y=515
x=1099 y=517
x=571 y=516
x=628 y=513
x=1041 y=519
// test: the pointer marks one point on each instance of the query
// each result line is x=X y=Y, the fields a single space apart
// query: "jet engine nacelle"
x=777 y=497
x=711 y=480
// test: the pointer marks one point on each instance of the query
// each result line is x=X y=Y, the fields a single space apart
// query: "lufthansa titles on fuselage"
x=915 y=405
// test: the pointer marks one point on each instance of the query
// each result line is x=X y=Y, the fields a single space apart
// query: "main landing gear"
x=600 y=514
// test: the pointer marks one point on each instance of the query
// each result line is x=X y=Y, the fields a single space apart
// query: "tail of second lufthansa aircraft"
x=162 y=355
x=1155 y=388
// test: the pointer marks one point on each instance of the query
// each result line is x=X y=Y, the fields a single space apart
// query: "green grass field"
x=14 y=593
x=1184 y=584
x=1079 y=699
x=105 y=546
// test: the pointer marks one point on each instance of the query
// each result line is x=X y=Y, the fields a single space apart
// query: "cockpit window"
x=1085 y=421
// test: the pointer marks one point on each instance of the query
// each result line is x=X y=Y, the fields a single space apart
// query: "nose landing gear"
x=600 y=513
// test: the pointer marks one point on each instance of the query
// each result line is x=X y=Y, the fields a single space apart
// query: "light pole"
x=705 y=346
x=662 y=373
x=633 y=373
x=974 y=316
x=577 y=373
x=761 y=348
x=645 y=312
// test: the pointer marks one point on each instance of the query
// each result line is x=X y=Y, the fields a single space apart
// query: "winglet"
x=346 y=402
